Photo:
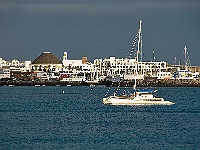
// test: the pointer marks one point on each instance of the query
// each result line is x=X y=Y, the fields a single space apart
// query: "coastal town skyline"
x=99 y=29
x=90 y=61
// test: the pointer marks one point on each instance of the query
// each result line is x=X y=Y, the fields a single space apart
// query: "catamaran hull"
x=116 y=101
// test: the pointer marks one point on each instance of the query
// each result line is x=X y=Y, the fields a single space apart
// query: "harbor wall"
x=140 y=83
x=157 y=83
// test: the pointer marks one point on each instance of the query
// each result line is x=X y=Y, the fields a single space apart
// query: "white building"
x=4 y=63
x=128 y=68
x=4 y=73
x=14 y=65
x=27 y=66
x=164 y=75
x=113 y=66
x=70 y=63
x=185 y=74
x=152 y=68
x=78 y=67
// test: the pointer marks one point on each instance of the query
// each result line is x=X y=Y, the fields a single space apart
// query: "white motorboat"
x=137 y=98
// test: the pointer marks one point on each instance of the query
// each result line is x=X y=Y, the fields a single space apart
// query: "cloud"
x=94 y=7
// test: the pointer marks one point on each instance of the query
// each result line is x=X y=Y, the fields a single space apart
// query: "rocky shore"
x=140 y=83
x=41 y=83
x=158 y=83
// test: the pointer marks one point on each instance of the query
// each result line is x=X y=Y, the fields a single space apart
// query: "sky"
x=99 y=28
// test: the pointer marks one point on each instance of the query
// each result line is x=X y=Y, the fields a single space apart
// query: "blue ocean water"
x=74 y=118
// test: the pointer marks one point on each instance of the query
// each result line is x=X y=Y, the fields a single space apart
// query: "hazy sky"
x=99 y=28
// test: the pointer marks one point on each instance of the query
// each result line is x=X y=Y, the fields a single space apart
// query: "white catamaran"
x=138 y=97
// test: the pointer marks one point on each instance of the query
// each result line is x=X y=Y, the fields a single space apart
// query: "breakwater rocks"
x=41 y=83
x=139 y=83
x=157 y=83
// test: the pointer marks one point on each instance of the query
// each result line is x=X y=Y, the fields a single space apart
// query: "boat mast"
x=185 y=52
x=140 y=40
x=139 y=50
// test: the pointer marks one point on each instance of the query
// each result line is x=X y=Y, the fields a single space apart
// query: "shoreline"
x=160 y=83
x=140 y=83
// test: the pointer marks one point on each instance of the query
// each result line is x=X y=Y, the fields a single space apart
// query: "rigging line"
x=109 y=89
x=129 y=54
x=133 y=46
x=134 y=42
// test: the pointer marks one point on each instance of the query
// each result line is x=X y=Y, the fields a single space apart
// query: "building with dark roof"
x=46 y=58
x=46 y=62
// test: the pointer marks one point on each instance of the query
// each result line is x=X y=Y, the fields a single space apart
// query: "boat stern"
x=106 y=100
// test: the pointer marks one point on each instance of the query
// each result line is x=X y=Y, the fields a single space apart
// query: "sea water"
x=74 y=118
